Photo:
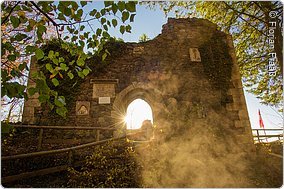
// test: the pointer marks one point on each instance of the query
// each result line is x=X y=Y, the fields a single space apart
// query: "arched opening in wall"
x=137 y=112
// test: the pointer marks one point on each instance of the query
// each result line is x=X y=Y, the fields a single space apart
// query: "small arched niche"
x=138 y=111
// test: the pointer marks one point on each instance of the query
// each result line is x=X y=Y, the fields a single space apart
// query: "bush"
x=112 y=165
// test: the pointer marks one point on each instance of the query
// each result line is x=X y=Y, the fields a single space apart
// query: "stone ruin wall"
x=169 y=72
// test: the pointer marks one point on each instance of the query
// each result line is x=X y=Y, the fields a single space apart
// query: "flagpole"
x=261 y=125
x=265 y=135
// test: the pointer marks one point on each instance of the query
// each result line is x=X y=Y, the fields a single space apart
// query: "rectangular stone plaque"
x=104 y=100
x=194 y=55
x=103 y=89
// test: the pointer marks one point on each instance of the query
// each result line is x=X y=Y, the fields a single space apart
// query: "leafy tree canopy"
x=256 y=28
x=27 y=25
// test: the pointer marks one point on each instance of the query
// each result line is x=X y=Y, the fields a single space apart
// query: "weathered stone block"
x=28 y=111
x=242 y=123
x=82 y=108
x=32 y=103
x=232 y=106
x=103 y=90
x=138 y=50
x=104 y=100
x=243 y=114
x=194 y=55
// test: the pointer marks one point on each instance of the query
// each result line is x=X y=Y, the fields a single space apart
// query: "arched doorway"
x=137 y=112
x=152 y=96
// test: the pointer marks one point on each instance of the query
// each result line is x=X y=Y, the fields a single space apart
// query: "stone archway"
x=139 y=90
x=138 y=112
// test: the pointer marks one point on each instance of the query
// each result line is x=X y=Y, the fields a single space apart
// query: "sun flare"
x=138 y=111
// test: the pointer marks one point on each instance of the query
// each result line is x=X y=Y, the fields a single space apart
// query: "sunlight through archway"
x=138 y=111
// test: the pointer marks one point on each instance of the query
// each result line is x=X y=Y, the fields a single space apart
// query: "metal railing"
x=42 y=128
x=267 y=135
x=69 y=151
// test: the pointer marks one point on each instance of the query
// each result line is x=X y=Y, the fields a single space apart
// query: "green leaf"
x=5 y=127
x=55 y=82
x=86 y=72
x=108 y=3
x=61 y=17
x=106 y=35
x=61 y=59
x=93 y=12
x=11 y=57
x=75 y=5
x=20 y=36
x=22 y=66
x=114 y=8
x=132 y=17
x=121 y=5
x=125 y=16
x=103 y=20
x=70 y=75
x=104 y=56
x=41 y=29
x=83 y=3
x=82 y=28
x=55 y=61
x=67 y=11
x=49 y=67
x=131 y=6
x=80 y=62
x=72 y=62
x=32 y=91
x=64 y=67
x=30 y=49
x=128 y=28
x=103 y=12
x=80 y=12
x=114 y=22
x=105 y=27
x=39 y=54
x=61 y=111
x=15 y=21
x=51 y=54
x=60 y=101
x=122 y=29
x=80 y=74
x=43 y=98
x=98 y=15
x=98 y=32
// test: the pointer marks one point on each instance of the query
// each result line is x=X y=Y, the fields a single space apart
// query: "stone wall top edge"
x=186 y=22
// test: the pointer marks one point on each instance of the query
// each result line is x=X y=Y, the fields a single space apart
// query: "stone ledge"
x=104 y=81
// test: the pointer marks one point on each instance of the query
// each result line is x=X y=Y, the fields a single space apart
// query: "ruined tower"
x=188 y=75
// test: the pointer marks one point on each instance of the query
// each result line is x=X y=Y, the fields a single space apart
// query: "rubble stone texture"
x=187 y=95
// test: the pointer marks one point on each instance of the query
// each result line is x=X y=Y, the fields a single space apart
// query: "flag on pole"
x=261 y=125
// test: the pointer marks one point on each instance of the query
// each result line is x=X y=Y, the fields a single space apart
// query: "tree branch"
x=249 y=15
x=46 y=15
x=3 y=22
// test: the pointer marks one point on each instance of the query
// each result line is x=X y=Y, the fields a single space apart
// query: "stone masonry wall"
x=170 y=72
